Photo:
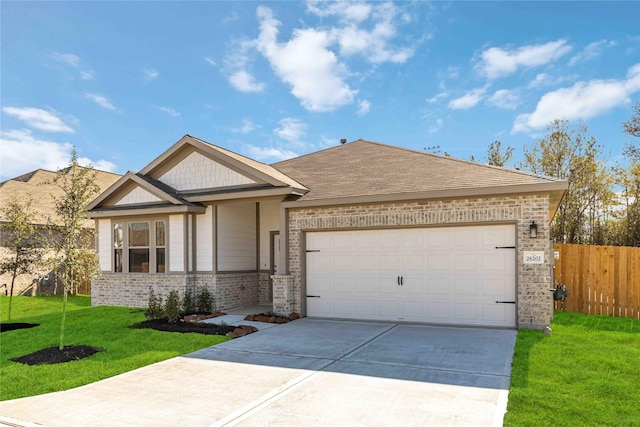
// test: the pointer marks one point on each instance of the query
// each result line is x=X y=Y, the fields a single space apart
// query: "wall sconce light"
x=533 y=230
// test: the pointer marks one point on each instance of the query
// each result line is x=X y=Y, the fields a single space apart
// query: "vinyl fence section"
x=600 y=279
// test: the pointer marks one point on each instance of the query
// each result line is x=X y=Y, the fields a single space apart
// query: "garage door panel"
x=451 y=275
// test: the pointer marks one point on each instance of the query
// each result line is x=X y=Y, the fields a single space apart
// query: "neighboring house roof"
x=37 y=186
x=364 y=171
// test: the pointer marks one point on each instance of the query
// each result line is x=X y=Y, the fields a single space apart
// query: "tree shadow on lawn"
x=6 y=327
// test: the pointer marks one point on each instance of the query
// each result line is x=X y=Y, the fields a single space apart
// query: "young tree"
x=75 y=259
x=632 y=127
x=22 y=241
x=572 y=154
x=496 y=157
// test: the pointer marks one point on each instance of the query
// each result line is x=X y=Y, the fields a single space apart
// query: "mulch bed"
x=184 y=327
x=53 y=355
x=6 y=327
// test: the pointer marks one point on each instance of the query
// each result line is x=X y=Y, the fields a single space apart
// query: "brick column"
x=282 y=294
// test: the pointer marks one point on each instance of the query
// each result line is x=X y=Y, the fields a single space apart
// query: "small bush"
x=187 y=305
x=155 y=307
x=204 y=301
x=172 y=306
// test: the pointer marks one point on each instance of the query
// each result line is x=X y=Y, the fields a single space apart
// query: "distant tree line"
x=602 y=203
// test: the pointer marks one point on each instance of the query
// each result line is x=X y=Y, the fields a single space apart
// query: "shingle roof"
x=36 y=185
x=364 y=168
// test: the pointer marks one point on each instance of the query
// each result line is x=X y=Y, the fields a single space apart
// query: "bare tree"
x=495 y=155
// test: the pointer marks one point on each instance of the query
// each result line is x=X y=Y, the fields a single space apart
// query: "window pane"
x=118 y=234
x=138 y=234
x=160 y=229
x=138 y=260
x=118 y=260
x=160 y=260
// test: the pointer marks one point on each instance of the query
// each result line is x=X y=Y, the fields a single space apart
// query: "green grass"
x=587 y=373
x=103 y=327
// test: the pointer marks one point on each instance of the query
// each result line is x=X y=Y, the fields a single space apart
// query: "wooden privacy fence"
x=600 y=279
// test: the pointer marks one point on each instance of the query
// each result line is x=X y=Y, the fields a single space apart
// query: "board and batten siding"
x=176 y=242
x=269 y=221
x=204 y=240
x=104 y=244
x=236 y=237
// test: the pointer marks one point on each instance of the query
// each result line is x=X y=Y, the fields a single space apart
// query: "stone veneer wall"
x=534 y=300
x=229 y=290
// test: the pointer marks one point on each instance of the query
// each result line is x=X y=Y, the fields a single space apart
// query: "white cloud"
x=67 y=58
x=101 y=100
x=363 y=107
x=346 y=11
x=170 y=111
x=245 y=82
x=150 y=74
x=74 y=61
x=583 y=100
x=541 y=79
x=210 y=61
x=591 y=51
x=45 y=154
x=505 y=99
x=498 y=62
x=247 y=127
x=38 y=119
x=305 y=62
x=468 y=100
x=436 y=126
x=269 y=154
x=291 y=129
x=438 y=97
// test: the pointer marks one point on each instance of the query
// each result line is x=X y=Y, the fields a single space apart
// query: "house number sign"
x=532 y=257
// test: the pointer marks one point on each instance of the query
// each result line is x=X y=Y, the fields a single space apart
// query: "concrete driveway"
x=307 y=372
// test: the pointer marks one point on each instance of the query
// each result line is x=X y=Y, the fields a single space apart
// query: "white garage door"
x=449 y=275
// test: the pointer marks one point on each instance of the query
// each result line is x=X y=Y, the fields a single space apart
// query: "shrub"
x=187 y=305
x=172 y=306
x=204 y=301
x=155 y=308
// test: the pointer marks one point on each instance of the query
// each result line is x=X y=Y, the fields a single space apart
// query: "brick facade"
x=534 y=300
x=229 y=290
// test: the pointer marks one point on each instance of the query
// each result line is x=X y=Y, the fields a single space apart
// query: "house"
x=361 y=230
x=38 y=185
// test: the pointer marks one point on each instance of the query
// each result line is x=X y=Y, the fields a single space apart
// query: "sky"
x=123 y=81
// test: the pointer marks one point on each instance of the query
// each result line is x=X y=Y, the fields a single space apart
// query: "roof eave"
x=246 y=194
x=142 y=210
x=556 y=190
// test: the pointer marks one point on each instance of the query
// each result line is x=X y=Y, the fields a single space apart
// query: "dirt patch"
x=6 y=327
x=185 y=327
x=53 y=355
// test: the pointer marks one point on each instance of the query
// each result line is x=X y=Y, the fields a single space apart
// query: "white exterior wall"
x=269 y=221
x=204 y=240
x=176 y=243
x=197 y=171
x=236 y=237
x=104 y=244
x=137 y=195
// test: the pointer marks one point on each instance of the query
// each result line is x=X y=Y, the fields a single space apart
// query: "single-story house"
x=38 y=186
x=361 y=230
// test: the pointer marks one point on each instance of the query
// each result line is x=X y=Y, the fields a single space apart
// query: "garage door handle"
x=401 y=280
x=398 y=280
x=505 y=302
x=313 y=296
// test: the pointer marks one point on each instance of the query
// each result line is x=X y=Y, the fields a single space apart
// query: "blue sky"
x=123 y=81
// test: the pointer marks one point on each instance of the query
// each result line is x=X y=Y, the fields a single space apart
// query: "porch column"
x=283 y=302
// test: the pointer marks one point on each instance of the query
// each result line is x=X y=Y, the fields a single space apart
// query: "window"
x=160 y=246
x=118 y=242
x=138 y=247
x=142 y=249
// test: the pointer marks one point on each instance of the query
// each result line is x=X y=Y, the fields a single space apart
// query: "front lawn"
x=587 y=373
x=107 y=328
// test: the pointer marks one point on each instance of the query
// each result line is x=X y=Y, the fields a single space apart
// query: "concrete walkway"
x=307 y=372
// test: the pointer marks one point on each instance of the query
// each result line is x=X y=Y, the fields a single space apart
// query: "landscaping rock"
x=294 y=316
x=280 y=320
x=250 y=317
